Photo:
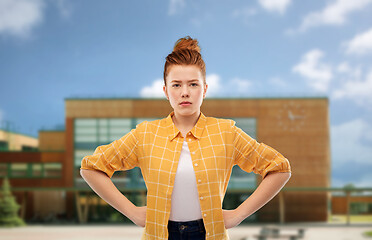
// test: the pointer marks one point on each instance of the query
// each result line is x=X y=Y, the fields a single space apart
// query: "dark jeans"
x=193 y=230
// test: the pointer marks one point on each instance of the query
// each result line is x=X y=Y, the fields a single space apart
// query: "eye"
x=175 y=85
x=194 y=84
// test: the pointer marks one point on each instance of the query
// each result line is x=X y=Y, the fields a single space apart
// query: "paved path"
x=125 y=232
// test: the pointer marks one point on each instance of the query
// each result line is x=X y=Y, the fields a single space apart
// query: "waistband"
x=182 y=225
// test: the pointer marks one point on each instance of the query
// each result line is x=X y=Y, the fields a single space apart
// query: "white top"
x=185 y=197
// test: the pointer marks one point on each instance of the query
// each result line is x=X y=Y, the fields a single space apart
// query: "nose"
x=185 y=91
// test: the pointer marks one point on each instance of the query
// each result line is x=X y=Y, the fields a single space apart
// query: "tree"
x=9 y=207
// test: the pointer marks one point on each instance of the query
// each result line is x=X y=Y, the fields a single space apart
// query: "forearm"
x=269 y=187
x=106 y=189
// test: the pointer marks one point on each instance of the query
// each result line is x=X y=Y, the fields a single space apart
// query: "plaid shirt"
x=215 y=144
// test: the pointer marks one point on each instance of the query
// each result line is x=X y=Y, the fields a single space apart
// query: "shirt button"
x=193 y=152
x=201 y=198
x=189 y=139
x=196 y=164
x=199 y=180
x=189 y=133
x=205 y=214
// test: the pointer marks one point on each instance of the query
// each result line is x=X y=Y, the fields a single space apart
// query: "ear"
x=205 y=90
x=165 y=92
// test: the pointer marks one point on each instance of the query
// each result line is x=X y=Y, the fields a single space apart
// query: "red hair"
x=186 y=51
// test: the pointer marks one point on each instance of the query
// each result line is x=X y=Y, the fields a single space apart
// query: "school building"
x=48 y=181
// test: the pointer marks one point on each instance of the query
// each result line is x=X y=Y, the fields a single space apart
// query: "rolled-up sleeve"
x=257 y=157
x=120 y=155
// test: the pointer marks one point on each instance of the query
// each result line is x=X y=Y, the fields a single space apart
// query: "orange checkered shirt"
x=215 y=144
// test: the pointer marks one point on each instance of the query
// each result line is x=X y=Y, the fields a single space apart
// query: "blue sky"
x=56 y=49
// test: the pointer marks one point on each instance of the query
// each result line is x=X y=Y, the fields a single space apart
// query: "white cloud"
x=351 y=145
x=156 y=89
x=19 y=17
x=214 y=87
x=232 y=87
x=278 y=82
x=175 y=6
x=153 y=91
x=347 y=144
x=196 y=22
x=64 y=7
x=244 y=13
x=199 y=19
x=365 y=181
x=349 y=72
x=356 y=89
x=228 y=88
x=360 y=44
x=241 y=85
x=279 y=6
x=335 y=13
x=344 y=67
x=318 y=74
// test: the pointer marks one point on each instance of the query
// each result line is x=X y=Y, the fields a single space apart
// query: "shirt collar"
x=196 y=131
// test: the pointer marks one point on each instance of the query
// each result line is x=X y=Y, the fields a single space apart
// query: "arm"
x=269 y=187
x=105 y=188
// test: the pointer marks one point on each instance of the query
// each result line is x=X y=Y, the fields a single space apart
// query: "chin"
x=186 y=111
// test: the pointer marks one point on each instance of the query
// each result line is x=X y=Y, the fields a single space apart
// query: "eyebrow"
x=193 y=80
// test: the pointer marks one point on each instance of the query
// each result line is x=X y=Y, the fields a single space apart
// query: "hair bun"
x=186 y=43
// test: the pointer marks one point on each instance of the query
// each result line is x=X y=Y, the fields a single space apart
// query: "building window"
x=4 y=146
x=19 y=170
x=360 y=208
x=29 y=148
x=3 y=170
x=52 y=170
x=37 y=170
x=239 y=178
x=31 y=170
x=91 y=133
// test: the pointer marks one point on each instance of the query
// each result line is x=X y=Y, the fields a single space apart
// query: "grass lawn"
x=353 y=218
x=368 y=234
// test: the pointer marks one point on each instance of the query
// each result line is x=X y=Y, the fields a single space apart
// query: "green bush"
x=9 y=208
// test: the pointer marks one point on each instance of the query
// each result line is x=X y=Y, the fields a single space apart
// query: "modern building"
x=356 y=204
x=13 y=141
x=34 y=164
x=296 y=127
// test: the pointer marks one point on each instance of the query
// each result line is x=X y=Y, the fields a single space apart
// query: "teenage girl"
x=186 y=161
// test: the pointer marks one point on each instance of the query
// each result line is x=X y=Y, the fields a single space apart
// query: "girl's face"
x=185 y=89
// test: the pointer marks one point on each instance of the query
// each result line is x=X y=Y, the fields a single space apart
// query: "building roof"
x=214 y=98
x=18 y=133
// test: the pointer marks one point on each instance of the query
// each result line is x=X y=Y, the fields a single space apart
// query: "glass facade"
x=31 y=170
x=360 y=208
x=239 y=178
x=4 y=146
x=91 y=133
x=29 y=148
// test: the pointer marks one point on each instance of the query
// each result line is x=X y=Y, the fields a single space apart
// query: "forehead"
x=184 y=73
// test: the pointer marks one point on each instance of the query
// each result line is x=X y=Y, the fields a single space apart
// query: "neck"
x=185 y=123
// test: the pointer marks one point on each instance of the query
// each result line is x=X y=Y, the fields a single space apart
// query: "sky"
x=51 y=50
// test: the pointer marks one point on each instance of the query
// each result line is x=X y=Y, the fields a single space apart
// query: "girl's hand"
x=231 y=218
x=139 y=216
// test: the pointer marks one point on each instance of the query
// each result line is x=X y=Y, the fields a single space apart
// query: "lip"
x=185 y=103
